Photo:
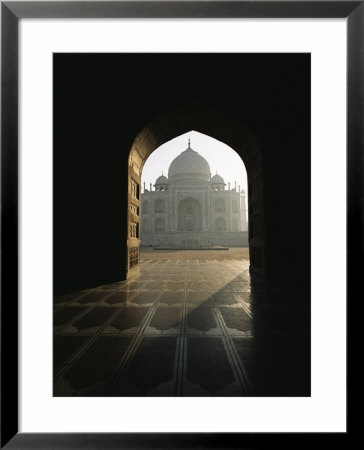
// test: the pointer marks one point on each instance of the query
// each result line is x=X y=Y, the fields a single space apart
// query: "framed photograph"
x=180 y=213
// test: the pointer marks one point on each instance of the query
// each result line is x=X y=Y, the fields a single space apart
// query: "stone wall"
x=196 y=239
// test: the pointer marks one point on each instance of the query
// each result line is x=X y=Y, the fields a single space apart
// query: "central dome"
x=189 y=166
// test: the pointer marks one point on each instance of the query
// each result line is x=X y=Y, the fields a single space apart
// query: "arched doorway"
x=189 y=215
x=221 y=127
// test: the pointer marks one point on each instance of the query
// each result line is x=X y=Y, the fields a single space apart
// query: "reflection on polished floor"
x=183 y=327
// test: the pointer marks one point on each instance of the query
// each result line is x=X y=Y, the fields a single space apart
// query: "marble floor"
x=183 y=327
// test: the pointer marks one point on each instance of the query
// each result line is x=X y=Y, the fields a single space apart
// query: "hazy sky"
x=221 y=158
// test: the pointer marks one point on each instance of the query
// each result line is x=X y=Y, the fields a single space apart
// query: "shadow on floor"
x=191 y=327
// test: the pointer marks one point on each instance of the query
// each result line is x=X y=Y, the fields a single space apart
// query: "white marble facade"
x=192 y=209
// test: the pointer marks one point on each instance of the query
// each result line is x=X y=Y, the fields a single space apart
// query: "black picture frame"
x=11 y=12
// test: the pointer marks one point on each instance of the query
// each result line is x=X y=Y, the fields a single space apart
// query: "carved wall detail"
x=135 y=162
x=134 y=209
x=134 y=230
x=134 y=188
x=133 y=256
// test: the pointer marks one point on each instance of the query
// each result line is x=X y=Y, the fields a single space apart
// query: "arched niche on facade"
x=220 y=205
x=159 y=206
x=189 y=215
x=218 y=126
x=159 y=224
x=145 y=207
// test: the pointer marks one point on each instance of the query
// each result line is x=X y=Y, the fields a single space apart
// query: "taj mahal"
x=191 y=209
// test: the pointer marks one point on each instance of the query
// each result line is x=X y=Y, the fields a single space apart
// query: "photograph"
x=181 y=214
x=181 y=224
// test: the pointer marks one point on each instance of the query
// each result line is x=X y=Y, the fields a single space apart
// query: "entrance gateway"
x=220 y=127
x=192 y=209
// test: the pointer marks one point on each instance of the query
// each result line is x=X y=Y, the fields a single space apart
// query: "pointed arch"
x=224 y=128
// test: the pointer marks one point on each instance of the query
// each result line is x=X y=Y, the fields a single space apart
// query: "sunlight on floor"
x=181 y=327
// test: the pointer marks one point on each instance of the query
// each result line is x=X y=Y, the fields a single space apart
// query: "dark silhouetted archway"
x=112 y=110
x=216 y=125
